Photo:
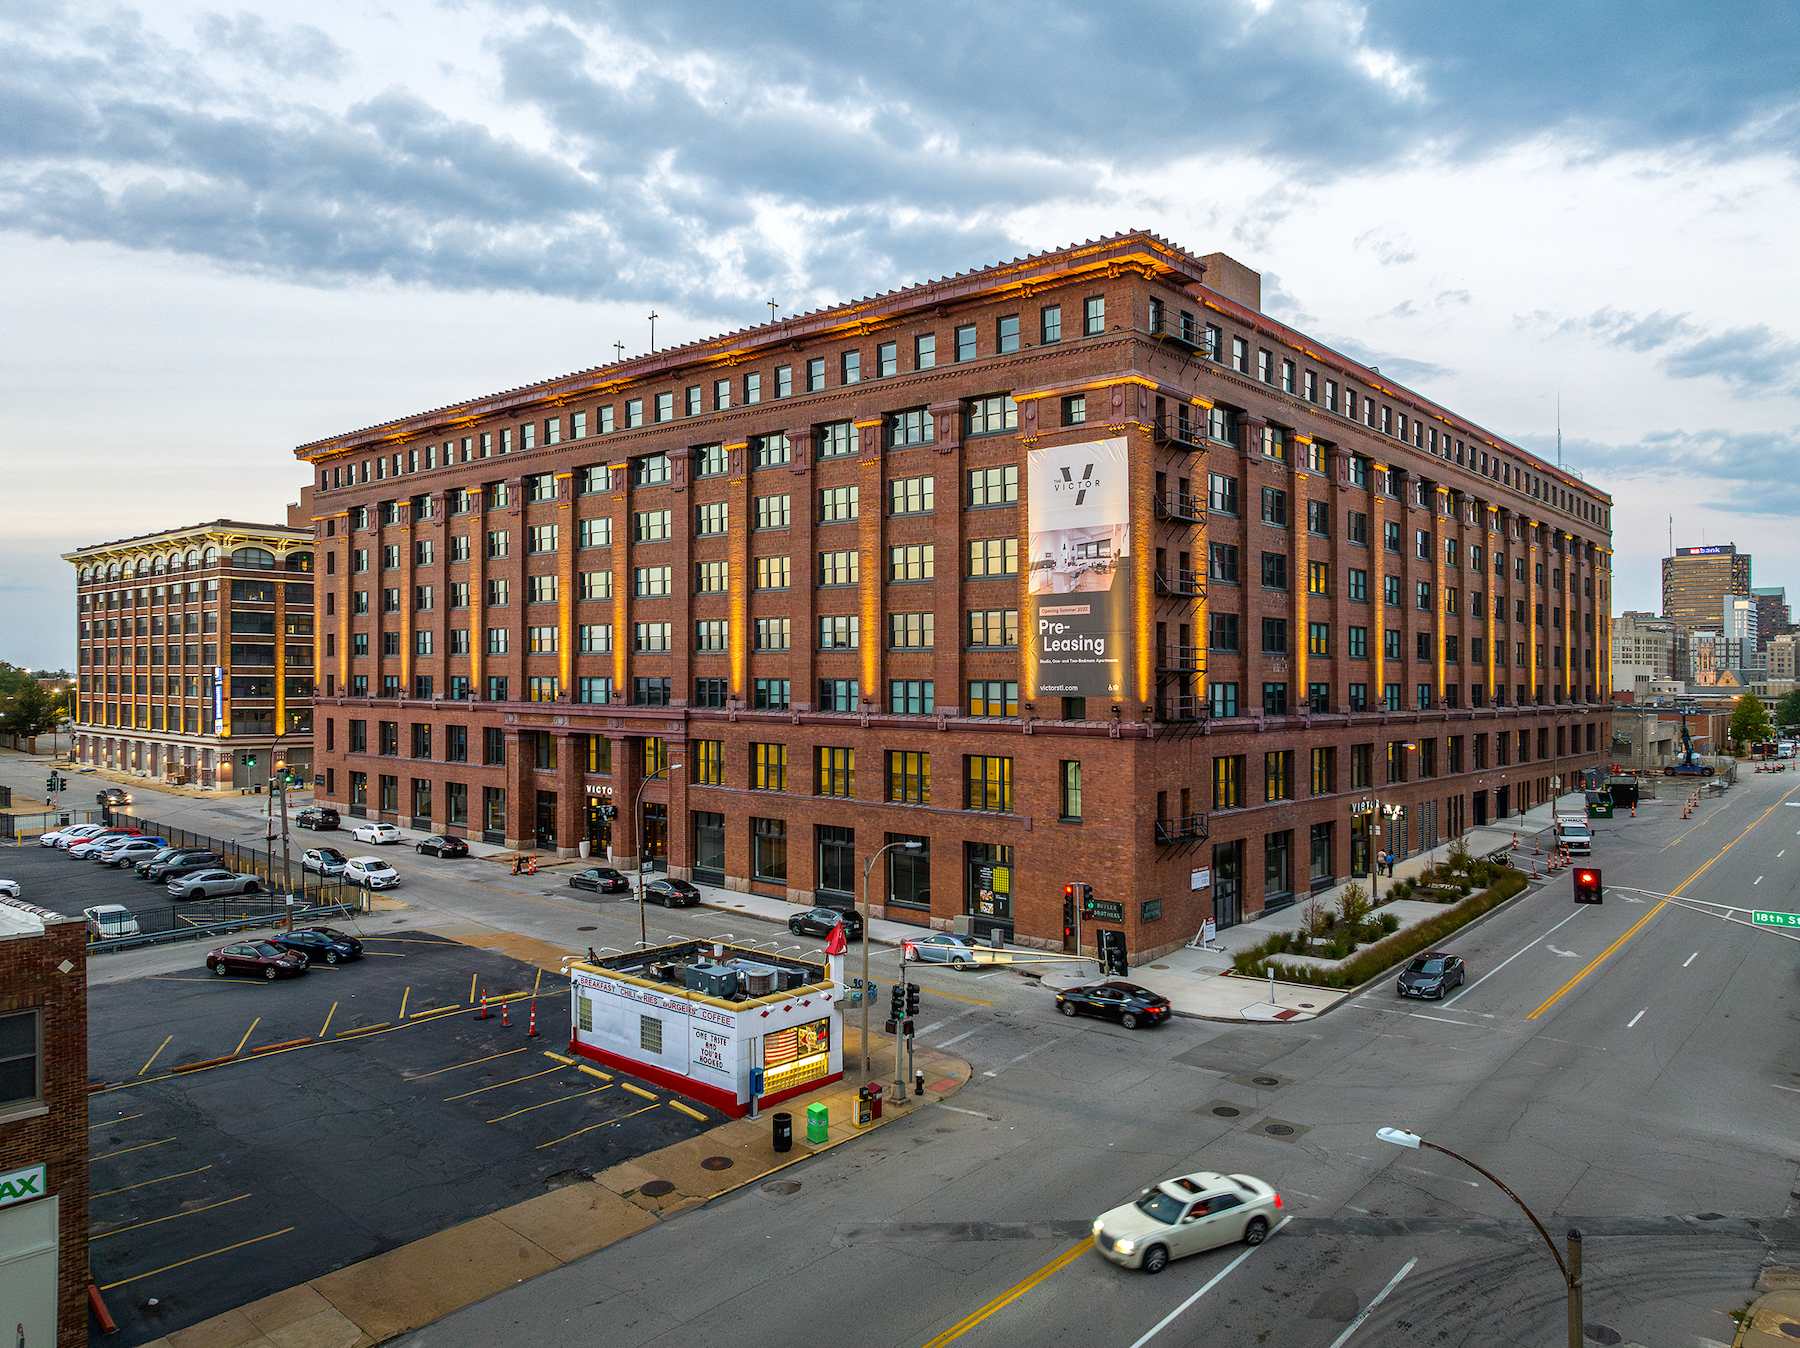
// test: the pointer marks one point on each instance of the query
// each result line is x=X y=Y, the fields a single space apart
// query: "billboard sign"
x=1716 y=550
x=218 y=699
x=1078 y=597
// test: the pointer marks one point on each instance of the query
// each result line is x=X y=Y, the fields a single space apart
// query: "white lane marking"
x=972 y=1113
x=959 y=1038
x=1353 y=1208
x=1566 y=954
x=1690 y=959
x=990 y=1074
x=1211 y=1283
x=1779 y=855
x=1369 y=1309
x=1434 y=1174
x=1389 y=1011
x=1303 y=1194
x=1515 y=955
x=1795 y=1089
x=1757 y=881
x=935 y=1025
x=979 y=977
x=1028 y=1052
x=1635 y=1019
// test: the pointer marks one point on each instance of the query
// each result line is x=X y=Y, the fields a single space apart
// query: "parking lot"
x=357 y=1108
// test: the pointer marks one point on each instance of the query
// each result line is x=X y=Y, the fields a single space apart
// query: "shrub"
x=1401 y=889
x=1354 y=905
x=1390 y=923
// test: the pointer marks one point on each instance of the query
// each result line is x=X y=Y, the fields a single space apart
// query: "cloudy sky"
x=227 y=232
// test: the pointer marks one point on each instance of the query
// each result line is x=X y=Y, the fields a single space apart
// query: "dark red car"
x=256 y=957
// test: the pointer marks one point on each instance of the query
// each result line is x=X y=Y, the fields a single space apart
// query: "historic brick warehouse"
x=1095 y=572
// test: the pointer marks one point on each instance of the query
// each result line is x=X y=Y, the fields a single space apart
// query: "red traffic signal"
x=1588 y=888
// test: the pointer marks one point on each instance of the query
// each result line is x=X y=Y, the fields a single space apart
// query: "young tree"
x=1750 y=722
x=31 y=710
x=1787 y=711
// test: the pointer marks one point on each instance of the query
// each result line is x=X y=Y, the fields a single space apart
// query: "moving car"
x=1431 y=975
x=370 y=873
x=319 y=818
x=185 y=862
x=69 y=834
x=132 y=851
x=820 y=921
x=375 y=833
x=256 y=957
x=113 y=795
x=10 y=889
x=1185 y=1216
x=212 y=881
x=601 y=880
x=319 y=944
x=326 y=861
x=440 y=846
x=111 y=919
x=1126 y=1003
x=672 y=894
x=941 y=948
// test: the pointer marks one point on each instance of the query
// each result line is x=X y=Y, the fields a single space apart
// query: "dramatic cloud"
x=1753 y=360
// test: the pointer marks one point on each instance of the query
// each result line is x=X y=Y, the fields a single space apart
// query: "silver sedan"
x=210 y=883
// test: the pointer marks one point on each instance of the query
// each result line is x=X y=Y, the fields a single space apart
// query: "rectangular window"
x=837 y=505
x=834 y=771
x=1222 y=562
x=912 y=427
x=652 y=526
x=1359 y=643
x=815 y=374
x=1070 y=781
x=840 y=632
x=712 y=635
x=1222 y=631
x=994 y=627
x=1361 y=771
x=1356 y=528
x=910 y=495
x=1318 y=578
x=836 y=440
x=721 y=394
x=838 y=568
x=993 y=557
x=1278 y=775
x=712 y=517
x=1050 y=323
x=497 y=639
x=769 y=695
x=1422 y=596
x=692 y=400
x=1275 y=699
x=1274 y=571
x=1093 y=316
x=910 y=697
x=987 y=783
x=887 y=360
x=772 y=512
x=772 y=634
x=752 y=389
x=1222 y=493
x=652 y=582
x=850 y=367
x=595 y=638
x=925 y=352
x=1074 y=410
x=651 y=636
x=910 y=631
x=768 y=767
x=991 y=416
x=541 y=640
x=1274 y=506
x=1006 y=334
x=541 y=589
x=708 y=760
x=768 y=847
x=1228 y=782
x=769 y=451
x=1318 y=639
x=993 y=697
x=596 y=584
x=1390 y=591
x=908 y=777
x=965 y=342
x=838 y=695
x=994 y=486
x=911 y=562
x=711 y=577
x=771 y=573
x=1318 y=518
x=1324 y=771
x=648 y=692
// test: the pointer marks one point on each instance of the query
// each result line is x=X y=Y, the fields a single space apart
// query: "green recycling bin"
x=818 y=1123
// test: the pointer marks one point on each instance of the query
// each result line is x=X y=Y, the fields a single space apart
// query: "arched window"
x=193 y=558
x=299 y=561
x=156 y=566
x=112 y=572
x=84 y=575
x=254 y=559
x=210 y=558
x=142 y=568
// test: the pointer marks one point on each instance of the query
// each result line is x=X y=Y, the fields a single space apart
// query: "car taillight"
x=1278 y=1201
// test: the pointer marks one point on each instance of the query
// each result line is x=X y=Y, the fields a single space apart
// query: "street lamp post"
x=1571 y=1271
x=868 y=866
x=638 y=824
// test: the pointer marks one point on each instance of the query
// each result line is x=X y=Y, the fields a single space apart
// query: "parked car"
x=320 y=945
x=168 y=856
x=10 y=889
x=375 y=833
x=941 y=948
x=672 y=894
x=69 y=834
x=111 y=919
x=601 y=880
x=325 y=861
x=256 y=957
x=438 y=845
x=370 y=873
x=319 y=818
x=820 y=921
x=1186 y=1215
x=84 y=848
x=212 y=882
x=185 y=863
x=69 y=843
x=131 y=851
x=1431 y=975
x=1126 y=1003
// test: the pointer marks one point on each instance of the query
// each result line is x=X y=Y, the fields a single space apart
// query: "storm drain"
x=717 y=1163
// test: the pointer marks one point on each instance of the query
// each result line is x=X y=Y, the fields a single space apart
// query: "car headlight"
x=1125 y=1246
x=1099 y=1222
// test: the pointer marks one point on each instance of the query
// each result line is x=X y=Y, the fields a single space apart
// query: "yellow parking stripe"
x=245 y=1040
x=547 y=1103
x=107 y=1123
x=475 y=1063
x=498 y=1084
x=142 y=1184
x=196 y=1259
x=154 y=1056
x=144 y=1146
x=590 y=1128
x=121 y=1230
x=328 y=1015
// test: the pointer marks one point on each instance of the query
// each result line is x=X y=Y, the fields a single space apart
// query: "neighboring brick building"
x=43 y=1125
x=196 y=652
x=1268 y=584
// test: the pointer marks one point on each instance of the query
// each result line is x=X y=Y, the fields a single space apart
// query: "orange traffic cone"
x=484 y=1010
x=532 y=1032
x=505 y=1024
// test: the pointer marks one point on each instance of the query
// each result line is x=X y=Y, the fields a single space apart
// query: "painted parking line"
x=328 y=1015
x=459 y=1066
x=143 y=1146
x=144 y=1184
x=107 y=1123
x=590 y=1128
x=547 y=1103
x=498 y=1084
x=1635 y=1019
x=196 y=1259
x=189 y=1212
x=154 y=1056
x=245 y=1040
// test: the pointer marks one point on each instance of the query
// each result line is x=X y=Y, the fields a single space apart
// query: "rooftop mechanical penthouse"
x=1076 y=568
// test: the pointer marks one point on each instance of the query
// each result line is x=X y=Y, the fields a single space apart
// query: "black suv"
x=319 y=818
x=185 y=862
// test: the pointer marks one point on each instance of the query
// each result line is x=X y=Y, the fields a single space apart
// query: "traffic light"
x=609 y=812
x=249 y=760
x=912 y=999
x=1086 y=893
x=1587 y=885
x=1068 y=911
x=898 y=1005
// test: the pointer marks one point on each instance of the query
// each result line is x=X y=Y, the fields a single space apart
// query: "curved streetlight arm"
x=1402 y=1138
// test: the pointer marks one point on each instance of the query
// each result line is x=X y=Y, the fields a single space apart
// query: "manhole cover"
x=1602 y=1333
x=782 y=1187
x=1709 y=1216
x=587 y=929
x=1266 y=1081
x=656 y=1188
x=1278 y=1129
x=1791 y=1329
x=717 y=1163
x=1227 y=1112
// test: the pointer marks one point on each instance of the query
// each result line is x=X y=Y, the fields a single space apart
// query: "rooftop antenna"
x=653 y=329
x=772 y=308
x=618 y=351
x=1559 y=429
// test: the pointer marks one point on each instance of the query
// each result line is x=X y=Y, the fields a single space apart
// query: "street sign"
x=1761 y=919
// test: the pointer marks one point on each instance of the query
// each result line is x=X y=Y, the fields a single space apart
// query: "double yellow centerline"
x=1012 y=1294
x=1644 y=921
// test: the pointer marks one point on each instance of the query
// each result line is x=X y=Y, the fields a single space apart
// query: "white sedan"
x=370 y=873
x=10 y=889
x=375 y=833
x=56 y=836
x=1185 y=1216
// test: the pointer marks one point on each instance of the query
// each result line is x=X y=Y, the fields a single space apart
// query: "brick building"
x=196 y=652
x=856 y=539
x=43 y=1125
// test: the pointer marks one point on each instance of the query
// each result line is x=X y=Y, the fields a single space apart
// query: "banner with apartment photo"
x=1077 y=593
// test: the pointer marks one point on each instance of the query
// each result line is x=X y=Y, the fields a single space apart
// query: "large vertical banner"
x=1079 y=529
x=218 y=700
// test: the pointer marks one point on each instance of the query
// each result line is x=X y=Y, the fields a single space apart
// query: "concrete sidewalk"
x=409 y=1287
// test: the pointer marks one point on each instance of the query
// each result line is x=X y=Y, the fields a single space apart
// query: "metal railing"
x=1180 y=427
x=23 y=828
x=1179 y=505
x=188 y=926
x=1190 y=334
x=1180 y=657
x=1185 y=584
x=1188 y=828
x=1185 y=707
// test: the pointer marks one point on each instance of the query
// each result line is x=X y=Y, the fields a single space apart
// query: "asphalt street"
x=1625 y=1068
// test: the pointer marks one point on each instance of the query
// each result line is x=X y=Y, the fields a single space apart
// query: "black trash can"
x=784 y=1132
